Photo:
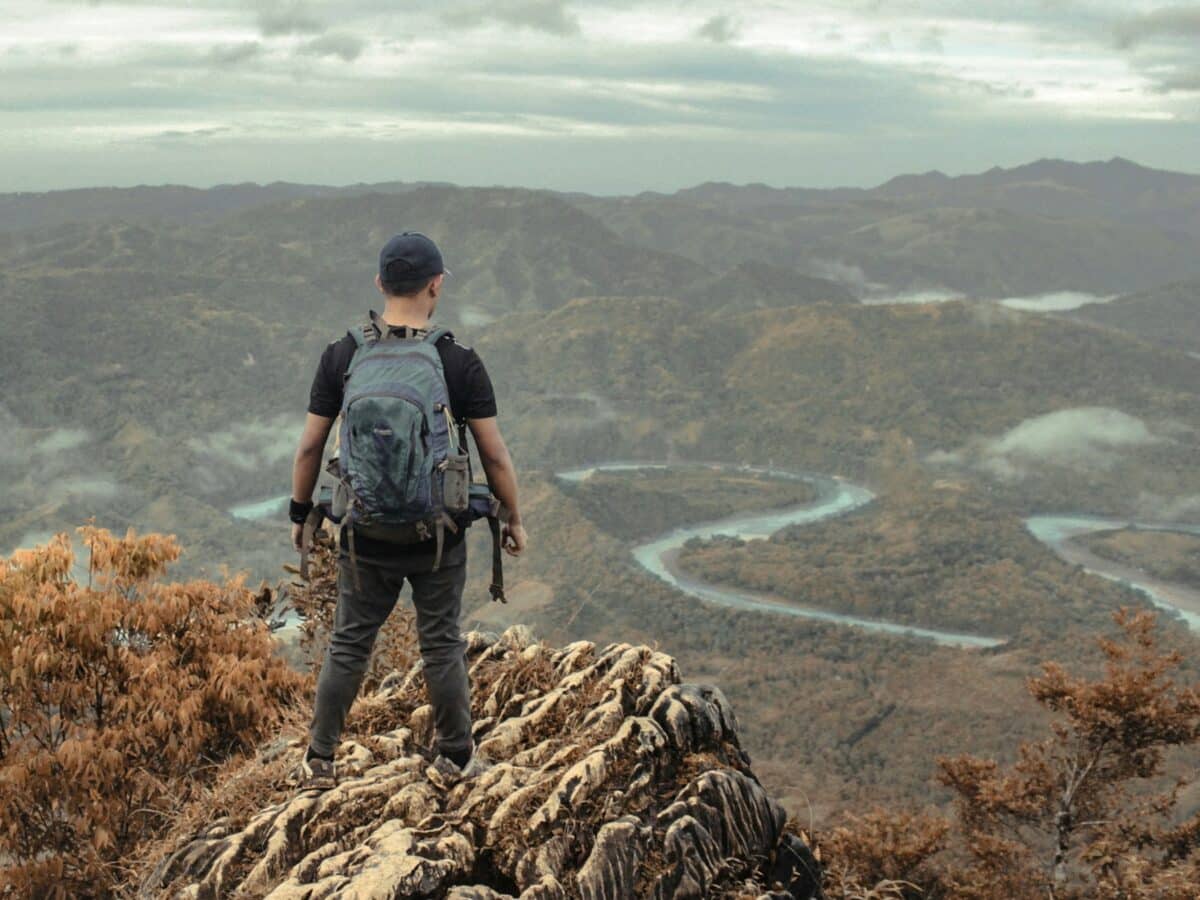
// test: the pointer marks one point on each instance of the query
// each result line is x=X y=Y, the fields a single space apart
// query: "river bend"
x=836 y=496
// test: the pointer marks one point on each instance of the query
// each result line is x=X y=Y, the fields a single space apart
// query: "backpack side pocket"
x=456 y=483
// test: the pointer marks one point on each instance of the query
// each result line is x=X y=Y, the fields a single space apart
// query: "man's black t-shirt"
x=471 y=397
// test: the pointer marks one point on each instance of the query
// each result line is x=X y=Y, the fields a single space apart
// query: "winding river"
x=836 y=496
x=1057 y=532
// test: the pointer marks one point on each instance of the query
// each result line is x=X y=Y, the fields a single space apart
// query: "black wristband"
x=298 y=511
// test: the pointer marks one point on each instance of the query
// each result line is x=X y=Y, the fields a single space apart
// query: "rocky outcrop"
x=610 y=780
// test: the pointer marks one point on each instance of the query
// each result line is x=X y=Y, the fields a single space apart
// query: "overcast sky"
x=604 y=96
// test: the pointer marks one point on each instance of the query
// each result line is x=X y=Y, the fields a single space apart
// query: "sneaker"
x=315 y=773
x=445 y=773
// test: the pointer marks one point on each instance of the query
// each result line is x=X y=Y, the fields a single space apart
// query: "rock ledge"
x=611 y=780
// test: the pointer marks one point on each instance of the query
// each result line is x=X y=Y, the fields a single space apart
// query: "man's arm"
x=501 y=478
x=307 y=465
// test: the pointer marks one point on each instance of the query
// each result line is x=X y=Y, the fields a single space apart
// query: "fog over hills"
x=157 y=346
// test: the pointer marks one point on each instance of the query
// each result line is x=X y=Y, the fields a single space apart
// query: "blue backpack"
x=401 y=462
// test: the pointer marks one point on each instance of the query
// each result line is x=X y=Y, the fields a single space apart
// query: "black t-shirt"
x=471 y=397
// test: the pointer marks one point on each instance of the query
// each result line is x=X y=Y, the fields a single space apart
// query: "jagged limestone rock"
x=611 y=869
x=610 y=780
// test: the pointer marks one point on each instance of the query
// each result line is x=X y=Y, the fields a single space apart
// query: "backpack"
x=401 y=462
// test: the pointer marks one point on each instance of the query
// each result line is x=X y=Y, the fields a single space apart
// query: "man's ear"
x=379 y=284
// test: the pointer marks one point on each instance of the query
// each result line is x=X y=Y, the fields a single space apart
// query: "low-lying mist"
x=245 y=451
x=1056 y=301
x=1090 y=436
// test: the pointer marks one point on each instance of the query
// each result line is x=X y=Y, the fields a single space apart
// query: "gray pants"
x=437 y=597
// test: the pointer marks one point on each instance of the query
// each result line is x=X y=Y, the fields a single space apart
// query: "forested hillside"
x=1168 y=314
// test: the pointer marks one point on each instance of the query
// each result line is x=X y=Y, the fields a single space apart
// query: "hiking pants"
x=437 y=597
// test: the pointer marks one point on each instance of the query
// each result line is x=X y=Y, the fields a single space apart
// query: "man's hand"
x=297 y=536
x=513 y=538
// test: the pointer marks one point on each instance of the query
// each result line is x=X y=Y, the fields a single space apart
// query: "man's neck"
x=399 y=311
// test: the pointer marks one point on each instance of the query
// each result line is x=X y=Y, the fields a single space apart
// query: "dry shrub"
x=1081 y=814
x=1074 y=815
x=118 y=699
x=884 y=855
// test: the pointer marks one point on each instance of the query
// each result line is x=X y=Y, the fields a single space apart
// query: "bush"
x=118 y=699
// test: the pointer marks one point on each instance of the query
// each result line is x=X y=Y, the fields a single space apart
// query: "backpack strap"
x=435 y=334
x=308 y=532
x=376 y=329
x=362 y=336
x=496 y=588
x=379 y=328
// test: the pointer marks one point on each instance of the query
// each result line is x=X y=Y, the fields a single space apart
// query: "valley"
x=157 y=377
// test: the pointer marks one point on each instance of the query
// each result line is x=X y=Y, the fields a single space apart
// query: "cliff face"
x=611 y=780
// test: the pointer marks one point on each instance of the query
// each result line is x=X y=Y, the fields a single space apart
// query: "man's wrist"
x=298 y=511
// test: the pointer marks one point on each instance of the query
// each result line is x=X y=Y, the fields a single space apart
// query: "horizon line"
x=443 y=183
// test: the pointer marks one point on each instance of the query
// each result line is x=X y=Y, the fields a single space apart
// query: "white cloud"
x=1089 y=436
x=249 y=446
x=935 y=82
x=45 y=467
x=1055 y=301
x=928 y=295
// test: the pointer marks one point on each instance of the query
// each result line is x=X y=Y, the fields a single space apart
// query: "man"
x=411 y=275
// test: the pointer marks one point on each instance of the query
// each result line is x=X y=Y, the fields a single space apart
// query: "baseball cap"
x=408 y=256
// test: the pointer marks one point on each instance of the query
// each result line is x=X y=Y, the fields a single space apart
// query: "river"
x=836 y=496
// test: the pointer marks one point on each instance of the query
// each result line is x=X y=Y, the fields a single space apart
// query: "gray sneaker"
x=316 y=774
x=445 y=773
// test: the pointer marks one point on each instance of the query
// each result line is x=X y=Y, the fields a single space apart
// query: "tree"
x=1081 y=814
x=118 y=698
x=1074 y=816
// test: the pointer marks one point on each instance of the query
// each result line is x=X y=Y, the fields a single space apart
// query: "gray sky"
x=605 y=96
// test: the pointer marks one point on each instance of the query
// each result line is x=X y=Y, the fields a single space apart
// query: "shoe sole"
x=318 y=784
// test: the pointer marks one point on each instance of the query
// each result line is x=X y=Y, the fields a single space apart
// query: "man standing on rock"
x=374 y=562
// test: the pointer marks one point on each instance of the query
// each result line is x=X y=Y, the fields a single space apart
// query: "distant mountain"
x=508 y=248
x=758 y=196
x=173 y=202
x=311 y=261
x=1054 y=225
x=1117 y=190
x=1051 y=225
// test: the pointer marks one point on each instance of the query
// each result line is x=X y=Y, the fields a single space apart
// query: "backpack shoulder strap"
x=377 y=328
x=436 y=334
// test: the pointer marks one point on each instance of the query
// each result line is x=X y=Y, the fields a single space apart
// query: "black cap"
x=409 y=256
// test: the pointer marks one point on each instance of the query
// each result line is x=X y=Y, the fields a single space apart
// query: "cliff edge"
x=611 y=779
